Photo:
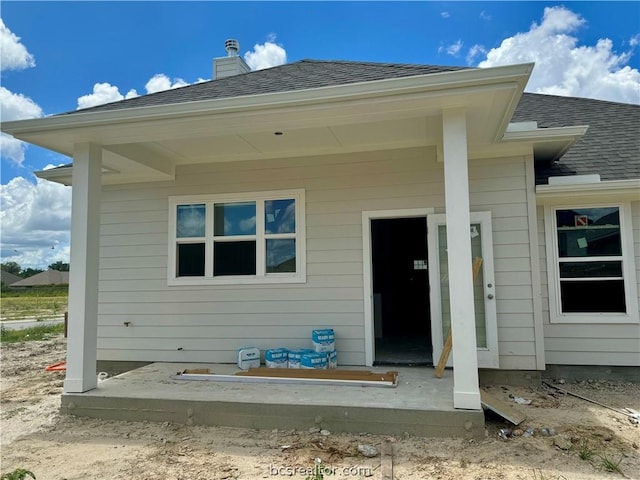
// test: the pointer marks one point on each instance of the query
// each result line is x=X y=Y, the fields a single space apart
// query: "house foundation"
x=420 y=405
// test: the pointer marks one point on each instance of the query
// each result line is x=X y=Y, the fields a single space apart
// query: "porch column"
x=83 y=274
x=466 y=392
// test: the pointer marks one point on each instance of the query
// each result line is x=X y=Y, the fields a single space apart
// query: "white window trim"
x=261 y=277
x=628 y=268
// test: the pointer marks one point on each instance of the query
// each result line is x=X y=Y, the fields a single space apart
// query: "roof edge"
x=609 y=190
x=429 y=82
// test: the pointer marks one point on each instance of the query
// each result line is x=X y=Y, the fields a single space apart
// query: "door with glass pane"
x=483 y=287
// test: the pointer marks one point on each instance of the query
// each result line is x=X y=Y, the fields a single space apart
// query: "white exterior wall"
x=209 y=323
x=590 y=344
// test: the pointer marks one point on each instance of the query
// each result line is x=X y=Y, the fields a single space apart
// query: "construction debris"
x=358 y=378
x=627 y=411
x=507 y=411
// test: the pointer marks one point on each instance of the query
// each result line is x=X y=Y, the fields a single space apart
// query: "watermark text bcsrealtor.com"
x=327 y=470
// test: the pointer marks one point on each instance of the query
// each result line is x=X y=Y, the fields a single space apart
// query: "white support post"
x=83 y=273
x=466 y=391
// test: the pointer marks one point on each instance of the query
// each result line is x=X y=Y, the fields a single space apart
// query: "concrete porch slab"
x=420 y=405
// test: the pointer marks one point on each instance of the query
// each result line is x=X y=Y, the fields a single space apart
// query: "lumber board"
x=386 y=460
x=507 y=411
x=336 y=374
x=391 y=382
x=448 y=344
x=444 y=356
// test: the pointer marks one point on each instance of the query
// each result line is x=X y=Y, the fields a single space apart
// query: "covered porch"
x=419 y=405
x=462 y=116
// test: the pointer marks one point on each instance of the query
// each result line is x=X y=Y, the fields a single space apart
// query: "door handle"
x=490 y=296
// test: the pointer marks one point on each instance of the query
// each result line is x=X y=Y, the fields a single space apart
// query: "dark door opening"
x=402 y=323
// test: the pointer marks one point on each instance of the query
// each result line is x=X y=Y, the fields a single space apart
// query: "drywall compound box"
x=332 y=359
x=248 y=357
x=323 y=340
x=276 y=358
x=295 y=356
x=313 y=360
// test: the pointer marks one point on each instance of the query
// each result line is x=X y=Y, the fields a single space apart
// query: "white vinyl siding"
x=208 y=323
x=607 y=344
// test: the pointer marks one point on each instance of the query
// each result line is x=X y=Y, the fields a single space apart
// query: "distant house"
x=9 y=278
x=47 y=278
x=253 y=208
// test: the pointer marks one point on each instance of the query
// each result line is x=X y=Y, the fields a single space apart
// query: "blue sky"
x=57 y=56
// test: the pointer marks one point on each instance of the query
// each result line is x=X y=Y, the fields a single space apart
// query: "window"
x=249 y=238
x=592 y=278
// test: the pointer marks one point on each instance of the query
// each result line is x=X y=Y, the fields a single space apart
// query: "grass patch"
x=585 y=451
x=29 y=305
x=610 y=465
x=43 y=332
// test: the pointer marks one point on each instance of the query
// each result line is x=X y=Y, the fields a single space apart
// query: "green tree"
x=60 y=266
x=11 y=267
x=30 y=272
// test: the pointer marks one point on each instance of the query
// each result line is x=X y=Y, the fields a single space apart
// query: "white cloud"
x=103 y=93
x=454 y=48
x=484 y=15
x=160 y=82
x=267 y=55
x=564 y=68
x=36 y=221
x=107 y=93
x=445 y=14
x=474 y=52
x=15 y=106
x=13 y=54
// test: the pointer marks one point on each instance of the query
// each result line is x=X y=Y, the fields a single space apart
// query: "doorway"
x=400 y=285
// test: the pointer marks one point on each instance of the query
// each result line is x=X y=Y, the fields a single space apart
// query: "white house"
x=253 y=208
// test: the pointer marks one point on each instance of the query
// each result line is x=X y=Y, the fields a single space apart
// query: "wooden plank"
x=335 y=374
x=448 y=344
x=444 y=356
x=386 y=460
x=505 y=410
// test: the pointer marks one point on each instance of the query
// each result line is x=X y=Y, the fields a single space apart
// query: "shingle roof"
x=48 y=277
x=611 y=146
x=301 y=75
x=9 y=278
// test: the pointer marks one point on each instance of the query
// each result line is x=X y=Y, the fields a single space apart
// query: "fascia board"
x=565 y=136
x=397 y=86
x=607 y=190
x=540 y=135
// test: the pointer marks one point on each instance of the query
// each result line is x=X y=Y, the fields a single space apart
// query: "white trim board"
x=367 y=216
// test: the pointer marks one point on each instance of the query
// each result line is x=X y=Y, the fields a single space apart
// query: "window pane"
x=589 y=232
x=280 y=216
x=190 y=221
x=281 y=256
x=590 y=269
x=598 y=296
x=478 y=288
x=190 y=259
x=234 y=219
x=234 y=258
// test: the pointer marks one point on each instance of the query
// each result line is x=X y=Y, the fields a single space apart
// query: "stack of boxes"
x=322 y=356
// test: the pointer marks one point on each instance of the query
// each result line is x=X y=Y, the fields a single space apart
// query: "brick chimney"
x=232 y=64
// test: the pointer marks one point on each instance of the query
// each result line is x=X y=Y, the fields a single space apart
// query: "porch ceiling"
x=148 y=143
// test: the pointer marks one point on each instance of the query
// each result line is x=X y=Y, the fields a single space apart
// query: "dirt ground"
x=36 y=437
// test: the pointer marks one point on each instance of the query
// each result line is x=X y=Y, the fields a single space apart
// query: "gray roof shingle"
x=301 y=75
x=611 y=146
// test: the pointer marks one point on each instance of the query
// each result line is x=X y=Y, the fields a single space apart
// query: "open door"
x=484 y=287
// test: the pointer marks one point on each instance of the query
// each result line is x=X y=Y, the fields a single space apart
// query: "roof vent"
x=232 y=64
x=232 y=47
